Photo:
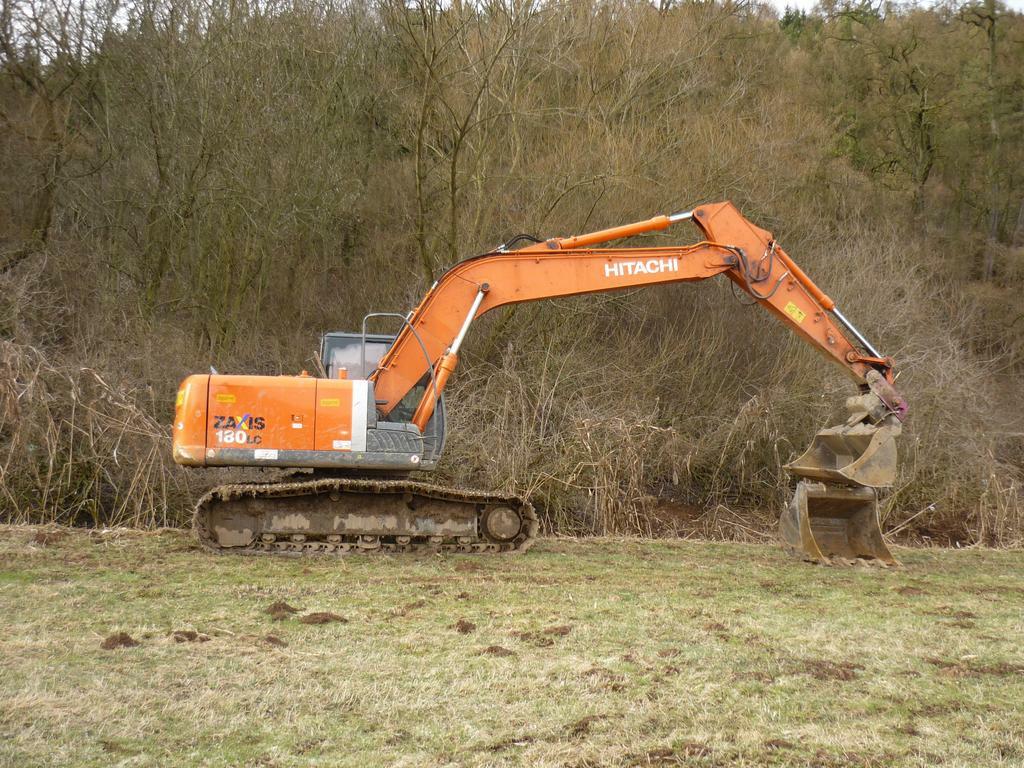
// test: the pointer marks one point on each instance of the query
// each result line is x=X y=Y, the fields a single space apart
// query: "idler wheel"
x=502 y=523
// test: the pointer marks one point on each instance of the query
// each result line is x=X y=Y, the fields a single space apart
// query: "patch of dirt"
x=669 y=756
x=674 y=518
x=464 y=627
x=462 y=596
x=968 y=668
x=822 y=669
x=671 y=670
x=659 y=755
x=992 y=590
x=1001 y=669
x=935 y=710
x=774 y=744
x=849 y=759
x=497 y=650
x=275 y=641
x=118 y=640
x=669 y=653
x=695 y=749
x=45 y=538
x=406 y=609
x=533 y=638
x=961 y=624
x=280 y=610
x=949 y=612
x=911 y=591
x=543 y=638
x=908 y=729
x=189 y=636
x=467 y=566
x=515 y=741
x=613 y=681
x=322 y=617
x=582 y=726
x=111 y=746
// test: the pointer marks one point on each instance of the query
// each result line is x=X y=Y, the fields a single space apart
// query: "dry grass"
x=610 y=652
x=75 y=449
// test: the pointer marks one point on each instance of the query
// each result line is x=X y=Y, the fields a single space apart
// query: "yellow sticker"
x=225 y=397
x=795 y=312
x=181 y=397
x=330 y=402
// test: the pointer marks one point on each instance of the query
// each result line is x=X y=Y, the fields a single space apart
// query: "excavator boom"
x=746 y=254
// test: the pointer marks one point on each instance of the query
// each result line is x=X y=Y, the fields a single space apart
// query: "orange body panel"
x=189 y=435
x=261 y=412
x=333 y=415
x=267 y=415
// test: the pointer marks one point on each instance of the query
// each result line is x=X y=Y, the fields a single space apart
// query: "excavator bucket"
x=861 y=454
x=828 y=524
x=833 y=515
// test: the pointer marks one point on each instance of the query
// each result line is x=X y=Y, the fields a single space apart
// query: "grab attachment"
x=834 y=511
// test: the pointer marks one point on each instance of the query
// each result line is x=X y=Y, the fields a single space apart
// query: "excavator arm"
x=834 y=512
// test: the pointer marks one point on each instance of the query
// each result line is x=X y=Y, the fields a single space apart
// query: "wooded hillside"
x=186 y=183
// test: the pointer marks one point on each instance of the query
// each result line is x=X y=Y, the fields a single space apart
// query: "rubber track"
x=271 y=491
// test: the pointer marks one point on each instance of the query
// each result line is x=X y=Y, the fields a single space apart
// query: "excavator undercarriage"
x=338 y=515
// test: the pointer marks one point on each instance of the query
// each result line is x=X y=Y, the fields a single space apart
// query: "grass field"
x=580 y=653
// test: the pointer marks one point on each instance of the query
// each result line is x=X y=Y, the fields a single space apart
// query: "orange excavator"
x=359 y=432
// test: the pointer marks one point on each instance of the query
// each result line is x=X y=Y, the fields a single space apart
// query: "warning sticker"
x=795 y=312
x=330 y=402
x=267 y=454
x=225 y=397
x=342 y=445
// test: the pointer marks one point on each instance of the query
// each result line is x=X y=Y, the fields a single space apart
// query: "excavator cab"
x=356 y=355
x=351 y=355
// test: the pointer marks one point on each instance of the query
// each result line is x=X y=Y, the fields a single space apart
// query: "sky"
x=1016 y=5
